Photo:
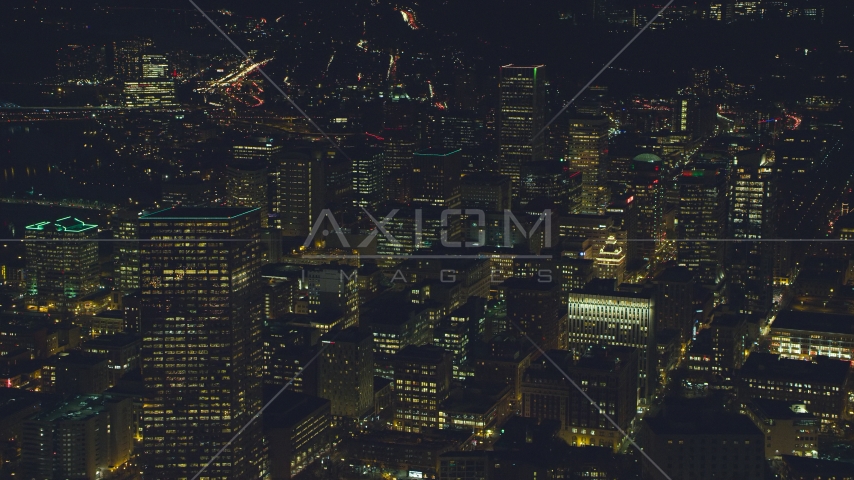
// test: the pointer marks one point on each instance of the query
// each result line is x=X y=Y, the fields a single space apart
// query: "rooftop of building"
x=253 y=165
x=779 y=409
x=199 y=213
x=437 y=152
x=422 y=353
x=820 y=369
x=475 y=399
x=814 y=322
x=606 y=358
x=426 y=439
x=78 y=358
x=674 y=274
x=15 y=400
x=64 y=224
x=381 y=383
x=723 y=423
x=77 y=408
x=586 y=220
x=608 y=287
x=728 y=320
x=347 y=335
x=816 y=468
x=290 y=408
x=648 y=158
x=122 y=339
x=699 y=417
x=529 y=283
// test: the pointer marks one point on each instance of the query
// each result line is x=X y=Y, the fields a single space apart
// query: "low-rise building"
x=297 y=429
x=821 y=384
x=803 y=335
x=788 y=427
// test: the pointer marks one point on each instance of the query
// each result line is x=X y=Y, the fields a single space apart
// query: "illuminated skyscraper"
x=436 y=177
x=246 y=186
x=155 y=89
x=299 y=193
x=588 y=147
x=368 y=178
x=521 y=115
x=680 y=121
x=201 y=352
x=752 y=215
x=648 y=190
x=702 y=215
x=398 y=149
x=126 y=254
x=62 y=270
x=127 y=57
x=399 y=120
x=154 y=66
x=256 y=148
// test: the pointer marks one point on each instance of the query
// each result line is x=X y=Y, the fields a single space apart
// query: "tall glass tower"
x=201 y=352
x=521 y=116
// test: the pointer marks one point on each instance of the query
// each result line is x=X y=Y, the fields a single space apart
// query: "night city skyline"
x=475 y=240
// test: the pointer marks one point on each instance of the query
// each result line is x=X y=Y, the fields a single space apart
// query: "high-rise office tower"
x=346 y=372
x=675 y=301
x=436 y=177
x=201 y=351
x=126 y=253
x=401 y=141
x=334 y=289
x=300 y=192
x=422 y=381
x=702 y=215
x=649 y=192
x=368 y=178
x=588 y=147
x=601 y=315
x=399 y=146
x=534 y=307
x=256 y=148
x=155 y=66
x=127 y=57
x=246 y=186
x=155 y=89
x=623 y=209
x=62 y=270
x=752 y=216
x=552 y=180
x=486 y=191
x=521 y=116
x=680 y=121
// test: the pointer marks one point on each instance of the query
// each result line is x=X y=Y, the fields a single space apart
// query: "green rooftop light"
x=427 y=153
x=65 y=224
x=213 y=216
